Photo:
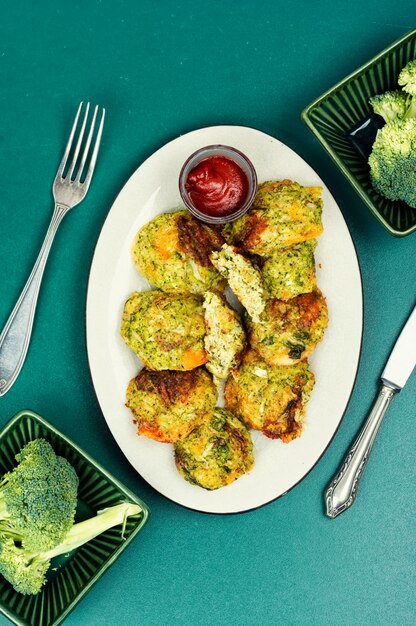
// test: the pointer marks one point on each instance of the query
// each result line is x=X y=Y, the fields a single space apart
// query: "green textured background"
x=162 y=69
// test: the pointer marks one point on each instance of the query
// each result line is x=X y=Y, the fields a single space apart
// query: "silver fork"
x=69 y=189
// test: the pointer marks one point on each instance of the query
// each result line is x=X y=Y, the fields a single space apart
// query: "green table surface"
x=162 y=69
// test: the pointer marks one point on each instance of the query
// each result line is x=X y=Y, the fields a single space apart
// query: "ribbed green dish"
x=334 y=113
x=70 y=576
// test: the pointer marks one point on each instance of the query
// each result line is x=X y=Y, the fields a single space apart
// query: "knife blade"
x=402 y=359
x=342 y=490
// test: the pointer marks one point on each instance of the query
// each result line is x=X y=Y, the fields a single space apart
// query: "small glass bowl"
x=230 y=153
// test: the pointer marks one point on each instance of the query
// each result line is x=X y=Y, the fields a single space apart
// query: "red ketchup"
x=217 y=186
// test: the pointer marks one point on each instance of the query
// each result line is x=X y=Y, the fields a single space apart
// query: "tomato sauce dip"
x=217 y=186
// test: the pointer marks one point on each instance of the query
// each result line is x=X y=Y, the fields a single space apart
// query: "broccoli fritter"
x=168 y=405
x=290 y=271
x=243 y=277
x=225 y=338
x=215 y=454
x=173 y=252
x=165 y=330
x=289 y=331
x=283 y=213
x=270 y=398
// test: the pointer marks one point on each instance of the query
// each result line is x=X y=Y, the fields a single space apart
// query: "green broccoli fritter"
x=215 y=454
x=393 y=161
x=38 y=497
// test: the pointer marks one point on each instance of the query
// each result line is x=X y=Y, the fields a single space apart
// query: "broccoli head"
x=390 y=105
x=26 y=569
x=407 y=78
x=393 y=161
x=38 y=497
x=20 y=568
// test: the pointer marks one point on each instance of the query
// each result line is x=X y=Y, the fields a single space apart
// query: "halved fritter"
x=283 y=213
x=290 y=271
x=215 y=454
x=166 y=331
x=270 y=398
x=169 y=405
x=243 y=277
x=172 y=251
x=288 y=332
x=225 y=338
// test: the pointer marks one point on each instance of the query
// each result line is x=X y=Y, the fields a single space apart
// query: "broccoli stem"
x=411 y=108
x=82 y=532
x=4 y=513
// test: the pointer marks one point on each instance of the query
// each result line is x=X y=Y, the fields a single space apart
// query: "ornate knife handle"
x=342 y=490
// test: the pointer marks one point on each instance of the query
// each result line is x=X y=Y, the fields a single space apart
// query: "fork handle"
x=342 y=490
x=15 y=337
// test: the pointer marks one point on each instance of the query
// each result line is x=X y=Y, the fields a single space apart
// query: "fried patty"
x=216 y=453
x=290 y=271
x=283 y=213
x=173 y=252
x=270 y=398
x=168 y=405
x=289 y=331
x=243 y=277
x=225 y=338
x=165 y=330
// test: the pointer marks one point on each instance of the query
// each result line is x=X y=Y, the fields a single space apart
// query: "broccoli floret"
x=393 y=161
x=407 y=78
x=393 y=157
x=26 y=570
x=390 y=105
x=38 y=497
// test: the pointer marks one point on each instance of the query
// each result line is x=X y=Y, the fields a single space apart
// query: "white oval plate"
x=152 y=189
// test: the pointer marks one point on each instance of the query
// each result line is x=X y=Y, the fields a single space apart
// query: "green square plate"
x=70 y=577
x=344 y=106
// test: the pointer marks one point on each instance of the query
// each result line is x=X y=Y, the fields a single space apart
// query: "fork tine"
x=79 y=142
x=95 y=152
x=69 y=144
x=87 y=146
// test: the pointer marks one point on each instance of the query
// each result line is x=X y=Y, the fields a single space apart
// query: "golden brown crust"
x=283 y=214
x=168 y=405
x=269 y=398
x=197 y=240
x=307 y=307
x=250 y=236
x=289 y=331
x=173 y=387
x=172 y=252
x=287 y=428
x=310 y=306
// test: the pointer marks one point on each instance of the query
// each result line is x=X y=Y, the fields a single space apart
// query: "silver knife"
x=342 y=490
